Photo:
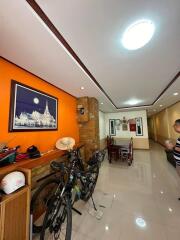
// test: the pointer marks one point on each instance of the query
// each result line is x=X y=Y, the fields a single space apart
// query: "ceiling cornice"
x=37 y=9
x=62 y=40
x=37 y=76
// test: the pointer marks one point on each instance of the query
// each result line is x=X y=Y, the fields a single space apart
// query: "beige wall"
x=160 y=125
x=151 y=128
x=102 y=130
x=140 y=142
x=102 y=125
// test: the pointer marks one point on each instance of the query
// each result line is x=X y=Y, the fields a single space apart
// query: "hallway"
x=146 y=192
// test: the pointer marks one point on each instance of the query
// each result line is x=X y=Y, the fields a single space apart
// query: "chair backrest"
x=110 y=141
x=131 y=147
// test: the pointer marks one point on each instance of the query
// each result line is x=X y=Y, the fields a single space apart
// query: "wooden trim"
x=153 y=115
x=28 y=202
x=166 y=88
x=34 y=5
x=2 y=215
x=37 y=76
x=62 y=40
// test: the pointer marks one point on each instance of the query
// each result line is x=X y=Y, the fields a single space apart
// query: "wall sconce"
x=80 y=109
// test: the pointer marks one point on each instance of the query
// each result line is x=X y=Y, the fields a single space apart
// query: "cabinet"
x=14 y=215
x=15 y=207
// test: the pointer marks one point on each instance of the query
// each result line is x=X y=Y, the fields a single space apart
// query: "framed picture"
x=124 y=124
x=31 y=109
x=117 y=124
x=112 y=127
x=139 y=126
x=132 y=125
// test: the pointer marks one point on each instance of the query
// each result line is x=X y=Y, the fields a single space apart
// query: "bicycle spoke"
x=56 y=230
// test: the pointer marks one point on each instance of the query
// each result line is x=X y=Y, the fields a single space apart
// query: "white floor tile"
x=148 y=189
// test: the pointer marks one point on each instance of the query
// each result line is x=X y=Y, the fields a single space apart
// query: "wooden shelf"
x=31 y=163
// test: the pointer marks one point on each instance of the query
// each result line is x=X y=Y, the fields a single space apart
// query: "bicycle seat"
x=57 y=166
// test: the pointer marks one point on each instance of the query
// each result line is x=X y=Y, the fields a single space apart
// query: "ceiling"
x=93 y=30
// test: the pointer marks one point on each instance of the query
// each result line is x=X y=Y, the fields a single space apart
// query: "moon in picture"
x=36 y=100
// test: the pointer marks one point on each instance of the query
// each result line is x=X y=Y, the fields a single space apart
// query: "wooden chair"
x=127 y=153
x=113 y=152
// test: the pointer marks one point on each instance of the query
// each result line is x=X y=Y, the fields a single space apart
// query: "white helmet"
x=12 y=181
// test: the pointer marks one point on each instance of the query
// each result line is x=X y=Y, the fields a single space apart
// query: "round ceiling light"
x=138 y=34
x=140 y=222
x=133 y=101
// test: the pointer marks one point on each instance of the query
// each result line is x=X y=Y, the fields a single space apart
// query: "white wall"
x=102 y=125
x=127 y=115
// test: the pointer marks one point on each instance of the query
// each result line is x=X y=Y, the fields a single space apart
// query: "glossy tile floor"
x=145 y=193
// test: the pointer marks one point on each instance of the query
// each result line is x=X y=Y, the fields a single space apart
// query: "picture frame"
x=139 y=126
x=112 y=127
x=31 y=109
x=117 y=124
x=124 y=124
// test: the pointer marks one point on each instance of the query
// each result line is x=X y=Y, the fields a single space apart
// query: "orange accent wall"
x=44 y=140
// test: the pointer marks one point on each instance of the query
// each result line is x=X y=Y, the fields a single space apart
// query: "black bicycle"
x=57 y=196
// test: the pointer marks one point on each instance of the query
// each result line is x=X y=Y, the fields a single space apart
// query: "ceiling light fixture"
x=138 y=34
x=141 y=222
x=102 y=103
x=133 y=102
x=170 y=209
x=82 y=88
x=106 y=227
x=161 y=105
x=175 y=94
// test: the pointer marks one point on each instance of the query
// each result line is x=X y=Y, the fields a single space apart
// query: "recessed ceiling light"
x=170 y=209
x=102 y=103
x=141 y=222
x=138 y=34
x=106 y=227
x=133 y=101
x=82 y=88
x=161 y=105
x=175 y=94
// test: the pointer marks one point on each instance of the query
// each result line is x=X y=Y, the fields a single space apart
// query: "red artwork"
x=132 y=125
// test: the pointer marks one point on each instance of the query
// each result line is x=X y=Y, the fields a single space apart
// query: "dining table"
x=118 y=146
x=122 y=143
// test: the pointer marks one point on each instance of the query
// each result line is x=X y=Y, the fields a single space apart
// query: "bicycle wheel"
x=57 y=223
x=90 y=182
x=40 y=201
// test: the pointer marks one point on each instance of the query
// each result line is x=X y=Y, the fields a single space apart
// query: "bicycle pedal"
x=99 y=214
x=92 y=212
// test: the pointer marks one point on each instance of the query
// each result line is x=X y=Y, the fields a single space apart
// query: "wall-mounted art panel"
x=31 y=109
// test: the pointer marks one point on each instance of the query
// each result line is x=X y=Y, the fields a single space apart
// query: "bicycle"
x=84 y=190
